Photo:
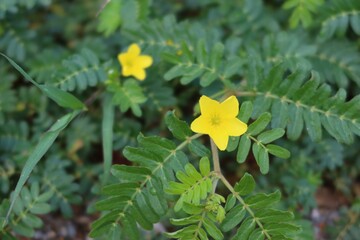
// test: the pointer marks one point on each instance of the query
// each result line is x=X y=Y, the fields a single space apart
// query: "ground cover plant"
x=185 y=119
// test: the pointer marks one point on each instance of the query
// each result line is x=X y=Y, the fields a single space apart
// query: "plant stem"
x=216 y=162
x=215 y=156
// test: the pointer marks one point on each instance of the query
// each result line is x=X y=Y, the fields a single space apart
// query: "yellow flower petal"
x=134 y=49
x=139 y=73
x=126 y=71
x=200 y=125
x=234 y=127
x=208 y=105
x=145 y=61
x=230 y=107
x=220 y=138
x=122 y=58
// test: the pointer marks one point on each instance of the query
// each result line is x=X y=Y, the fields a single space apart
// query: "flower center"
x=215 y=120
x=129 y=63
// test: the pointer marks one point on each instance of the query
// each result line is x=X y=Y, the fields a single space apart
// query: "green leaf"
x=35 y=190
x=32 y=221
x=130 y=173
x=19 y=206
x=296 y=122
x=139 y=217
x=174 y=72
x=112 y=203
x=272 y=216
x=208 y=78
x=282 y=228
x=171 y=58
x=279 y=111
x=177 y=188
x=198 y=149
x=110 y=17
x=257 y=235
x=185 y=221
x=244 y=148
x=212 y=229
x=186 y=51
x=146 y=211
x=232 y=144
x=192 y=172
x=246 y=185
x=185 y=179
x=201 y=52
x=278 y=151
x=204 y=166
x=202 y=234
x=245 y=229
x=260 y=124
x=100 y=226
x=355 y=22
x=254 y=73
x=192 y=209
x=40 y=208
x=178 y=128
x=261 y=157
x=233 y=67
x=120 y=189
x=230 y=202
x=142 y=156
x=233 y=218
x=217 y=52
x=271 y=135
x=62 y=98
x=261 y=104
x=313 y=125
x=107 y=135
x=24 y=230
x=130 y=228
x=192 y=73
x=26 y=196
x=41 y=148
x=45 y=196
x=155 y=197
x=274 y=78
x=262 y=200
x=245 y=111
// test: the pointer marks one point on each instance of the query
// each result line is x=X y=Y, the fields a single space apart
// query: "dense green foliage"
x=74 y=130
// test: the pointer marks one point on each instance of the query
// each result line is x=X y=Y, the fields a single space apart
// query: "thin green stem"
x=215 y=156
x=216 y=162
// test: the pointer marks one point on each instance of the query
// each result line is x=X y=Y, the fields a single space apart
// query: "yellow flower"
x=219 y=120
x=134 y=64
